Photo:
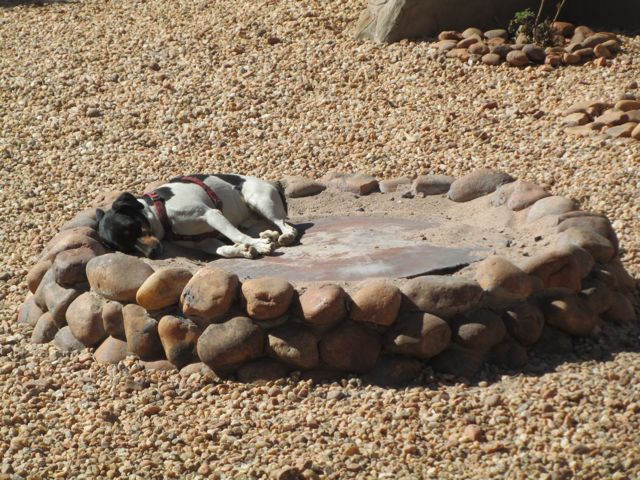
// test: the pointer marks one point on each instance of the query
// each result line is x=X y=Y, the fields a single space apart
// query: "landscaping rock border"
x=573 y=45
x=84 y=296
x=618 y=119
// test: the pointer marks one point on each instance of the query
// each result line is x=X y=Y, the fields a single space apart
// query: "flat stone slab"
x=350 y=248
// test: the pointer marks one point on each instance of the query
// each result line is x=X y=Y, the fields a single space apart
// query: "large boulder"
x=323 y=305
x=141 y=331
x=476 y=184
x=478 y=329
x=441 y=296
x=294 y=345
x=163 y=288
x=209 y=295
x=350 y=348
x=524 y=321
x=571 y=314
x=84 y=317
x=117 y=276
x=418 y=334
x=179 y=337
x=227 y=345
x=377 y=302
x=267 y=298
x=500 y=277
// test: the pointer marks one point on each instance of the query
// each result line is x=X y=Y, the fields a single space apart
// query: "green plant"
x=530 y=25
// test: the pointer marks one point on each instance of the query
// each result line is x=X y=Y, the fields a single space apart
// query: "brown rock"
x=476 y=184
x=595 y=106
x=359 y=183
x=38 y=295
x=553 y=341
x=44 y=330
x=557 y=268
x=496 y=33
x=534 y=53
x=179 y=338
x=392 y=185
x=492 y=42
x=600 y=51
x=517 y=58
x=418 y=334
x=460 y=53
x=350 y=348
x=293 y=345
x=267 y=298
x=57 y=300
x=84 y=317
x=478 y=329
x=467 y=42
x=563 y=28
x=634 y=116
x=393 y=371
x=29 y=312
x=69 y=267
x=576 y=119
x=614 y=46
x=441 y=296
x=296 y=187
x=66 y=342
x=623 y=281
x=446 y=45
x=227 y=345
x=597 y=223
x=571 y=58
x=596 y=295
x=492 y=59
x=112 y=320
x=158 y=365
x=459 y=361
x=600 y=248
x=163 y=288
x=377 y=301
x=501 y=49
x=323 y=305
x=472 y=31
x=635 y=134
x=611 y=118
x=117 y=276
x=201 y=369
x=509 y=353
x=524 y=322
x=553 y=205
x=449 y=35
x=584 y=53
x=209 y=295
x=503 y=279
x=432 y=184
x=71 y=242
x=597 y=39
x=36 y=273
x=112 y=350
x=621 y=131
x=621 y=310
x=142 y=332
x=478 y=48
x=518 y=195
x=571 y=315
x=261 y=370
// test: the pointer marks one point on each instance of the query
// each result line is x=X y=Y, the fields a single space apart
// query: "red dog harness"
x=161 y=212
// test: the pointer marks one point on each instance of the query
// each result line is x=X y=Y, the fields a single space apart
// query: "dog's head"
x=124 y=228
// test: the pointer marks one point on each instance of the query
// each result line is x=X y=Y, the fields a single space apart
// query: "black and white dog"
x=195 y=211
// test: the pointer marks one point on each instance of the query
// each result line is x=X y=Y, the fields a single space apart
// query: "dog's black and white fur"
x=132 y=224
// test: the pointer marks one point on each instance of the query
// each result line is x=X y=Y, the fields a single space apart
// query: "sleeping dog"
x=196 y=211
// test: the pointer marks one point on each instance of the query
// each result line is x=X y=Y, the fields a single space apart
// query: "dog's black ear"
x=126 y=201
x=99 y=214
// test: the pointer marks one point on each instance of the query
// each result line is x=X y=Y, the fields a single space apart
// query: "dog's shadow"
x=172 y=250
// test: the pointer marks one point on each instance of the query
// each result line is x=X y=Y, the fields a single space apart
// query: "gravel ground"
x=111 y=95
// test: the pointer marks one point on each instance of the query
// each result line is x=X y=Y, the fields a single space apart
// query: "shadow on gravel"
x=32 y=3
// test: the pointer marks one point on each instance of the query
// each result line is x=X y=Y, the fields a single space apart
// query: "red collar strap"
x=161 y=212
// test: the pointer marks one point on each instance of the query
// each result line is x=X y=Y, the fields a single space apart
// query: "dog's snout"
x=149 y=246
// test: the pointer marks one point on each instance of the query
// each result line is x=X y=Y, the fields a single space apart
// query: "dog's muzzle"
x=149 y=246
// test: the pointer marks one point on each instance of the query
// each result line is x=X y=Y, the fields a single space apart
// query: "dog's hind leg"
x=264 y=199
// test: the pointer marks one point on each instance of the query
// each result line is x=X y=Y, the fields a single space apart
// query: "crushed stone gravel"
x=103 y=95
